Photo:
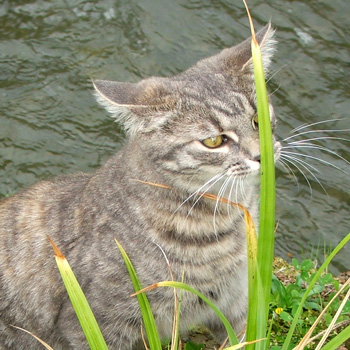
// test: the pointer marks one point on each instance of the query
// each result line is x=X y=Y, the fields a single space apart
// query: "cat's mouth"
x=251 y=167
x=245 y=169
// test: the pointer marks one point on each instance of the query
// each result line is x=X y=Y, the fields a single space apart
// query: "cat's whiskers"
x=274 y=91
x=289 y=160
x=289 y=170
x=202 y=190
x=230 y=195
x=310 y=145
x=320 y=138
x=220 y=195
x=302 y=163
x=242 y=187
x=197 y=192
x=298 y=159
x=275 y=72
x=313 y=132
x=236 y=199
x=299 y=155
x=304 y=126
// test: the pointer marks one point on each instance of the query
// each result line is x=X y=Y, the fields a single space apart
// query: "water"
x=50 y=123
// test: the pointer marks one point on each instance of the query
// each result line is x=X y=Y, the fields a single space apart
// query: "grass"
x=300 y=301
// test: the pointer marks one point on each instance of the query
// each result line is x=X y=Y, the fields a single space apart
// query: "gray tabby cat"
x=194 y=132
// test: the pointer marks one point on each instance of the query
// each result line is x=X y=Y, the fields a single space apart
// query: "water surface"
x=50 y=124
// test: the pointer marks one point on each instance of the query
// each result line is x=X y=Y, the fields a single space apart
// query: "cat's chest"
x=203 y=244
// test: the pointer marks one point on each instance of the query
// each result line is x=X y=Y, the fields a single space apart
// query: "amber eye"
x=255 y=122
x=214 y=142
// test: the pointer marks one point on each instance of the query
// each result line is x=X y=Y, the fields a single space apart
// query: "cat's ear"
x=240 y=57
x=139 y=107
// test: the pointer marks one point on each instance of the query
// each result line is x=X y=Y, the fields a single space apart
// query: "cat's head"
x=200 y=124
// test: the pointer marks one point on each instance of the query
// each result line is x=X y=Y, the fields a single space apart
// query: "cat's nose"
x=256 y=158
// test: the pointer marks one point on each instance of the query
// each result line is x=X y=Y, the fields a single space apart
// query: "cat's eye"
x=255 y=122
x=214 y=142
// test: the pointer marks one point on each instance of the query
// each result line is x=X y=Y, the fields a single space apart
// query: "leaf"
x=306 y=265
x=260 y=267
x=285 y=316
x=145 y=307
x=80 y=304
x=296 y=264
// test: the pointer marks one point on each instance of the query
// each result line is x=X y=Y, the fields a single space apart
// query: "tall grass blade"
x=81 y=307
x=254 y=282
x=265 y=251
x=145 y=307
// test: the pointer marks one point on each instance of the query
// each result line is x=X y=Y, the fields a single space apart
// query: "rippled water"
x=50 y=123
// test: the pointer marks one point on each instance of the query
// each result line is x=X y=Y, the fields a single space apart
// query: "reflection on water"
x=50 y=123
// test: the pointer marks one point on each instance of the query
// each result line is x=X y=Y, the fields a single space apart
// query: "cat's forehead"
x=217 y=103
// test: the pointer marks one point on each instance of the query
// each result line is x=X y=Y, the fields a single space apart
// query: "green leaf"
x=81 y=307
x=306 y=265
x=145 y=307
x=285 y=316
x=304 y=275
x=260 y=267
x=296 y=264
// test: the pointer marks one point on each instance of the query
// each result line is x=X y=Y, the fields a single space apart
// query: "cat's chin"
x=223 y=185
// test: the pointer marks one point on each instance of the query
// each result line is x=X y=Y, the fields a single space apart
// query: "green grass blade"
x=180 y=285
x=81 y=307
x=310 y=287
x=267 y=190
x=255 y=315
x=338 y=340
x=145 y=307
x=257 y=326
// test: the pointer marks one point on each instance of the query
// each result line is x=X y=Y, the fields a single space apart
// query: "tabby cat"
x=194 y=132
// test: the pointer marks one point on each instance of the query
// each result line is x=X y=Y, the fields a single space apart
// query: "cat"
x=194 y=132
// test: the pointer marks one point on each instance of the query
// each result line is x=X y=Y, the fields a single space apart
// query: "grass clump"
x=287 y=293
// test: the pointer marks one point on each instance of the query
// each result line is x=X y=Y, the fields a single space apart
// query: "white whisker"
x=237 y=200
x=306 y=166
x=274 y=91
x=313 y=131
x=218 y=176
x=230 y=196
x=315 y=146
x=289 y=159
x=242 y=187
x=289 y=170
x=315 y=158
x=304 y=126
x=201 y=193
x=219 y=196
x=319 y=139
x=275 y=72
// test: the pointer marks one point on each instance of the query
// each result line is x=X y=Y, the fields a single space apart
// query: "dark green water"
x=50 y=124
